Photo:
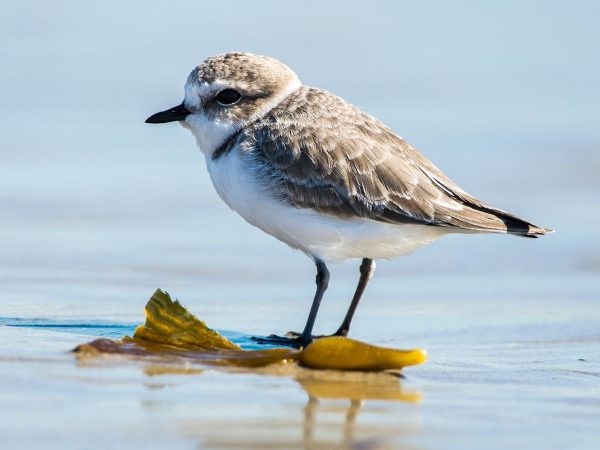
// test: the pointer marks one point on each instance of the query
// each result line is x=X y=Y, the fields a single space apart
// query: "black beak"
x=170 y=115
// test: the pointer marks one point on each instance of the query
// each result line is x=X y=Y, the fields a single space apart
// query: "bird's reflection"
x=357 y=390
x=329 y=419
x=349 y=423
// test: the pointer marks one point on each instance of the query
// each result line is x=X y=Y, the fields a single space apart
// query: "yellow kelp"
x=171 y=330
x=169 y=323
x=342 y=353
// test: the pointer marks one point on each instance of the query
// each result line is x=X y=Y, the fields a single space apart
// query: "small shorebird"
x=312 y=170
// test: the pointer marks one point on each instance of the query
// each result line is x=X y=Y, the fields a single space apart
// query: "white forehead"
x=196 y=90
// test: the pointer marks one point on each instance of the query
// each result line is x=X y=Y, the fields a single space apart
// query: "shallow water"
x=98 y=209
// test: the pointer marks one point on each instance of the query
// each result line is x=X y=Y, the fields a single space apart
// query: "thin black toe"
x=282 y=341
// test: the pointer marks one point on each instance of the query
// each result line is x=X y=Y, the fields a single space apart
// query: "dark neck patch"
x=225 y=146
x=231 y=140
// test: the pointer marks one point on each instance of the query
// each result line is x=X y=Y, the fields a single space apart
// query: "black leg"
x=366 y=273
x=322 y=280
x=305 y=337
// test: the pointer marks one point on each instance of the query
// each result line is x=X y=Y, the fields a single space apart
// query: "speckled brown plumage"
x=317 y=151
x=258 y=78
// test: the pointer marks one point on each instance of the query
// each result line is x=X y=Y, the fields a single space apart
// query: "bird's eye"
x=228 y=97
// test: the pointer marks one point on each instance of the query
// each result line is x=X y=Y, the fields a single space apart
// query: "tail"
x=479 y=216
x=506 y=222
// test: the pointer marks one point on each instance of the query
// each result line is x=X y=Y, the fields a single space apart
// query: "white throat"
x=210 y=134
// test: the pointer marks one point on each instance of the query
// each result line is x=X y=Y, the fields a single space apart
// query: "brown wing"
x=318 y=151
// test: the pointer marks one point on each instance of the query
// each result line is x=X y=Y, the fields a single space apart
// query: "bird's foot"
x=340 y=332
x=297 y=341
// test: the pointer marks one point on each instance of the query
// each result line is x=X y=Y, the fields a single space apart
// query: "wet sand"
x=501 y=383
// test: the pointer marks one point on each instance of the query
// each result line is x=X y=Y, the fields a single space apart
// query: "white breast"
x=318 y=235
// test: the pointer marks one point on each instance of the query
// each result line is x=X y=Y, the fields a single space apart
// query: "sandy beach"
x=536 y=383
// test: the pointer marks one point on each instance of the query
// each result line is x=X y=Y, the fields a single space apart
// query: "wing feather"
x=320 y=152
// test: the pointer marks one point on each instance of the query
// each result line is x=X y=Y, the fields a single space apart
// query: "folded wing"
x=317 y=151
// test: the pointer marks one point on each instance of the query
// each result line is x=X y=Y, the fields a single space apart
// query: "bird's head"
x=225 y=93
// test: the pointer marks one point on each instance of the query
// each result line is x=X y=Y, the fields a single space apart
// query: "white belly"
x=318 y=235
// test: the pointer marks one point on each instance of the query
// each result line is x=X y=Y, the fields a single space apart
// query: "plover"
x=314 y=171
